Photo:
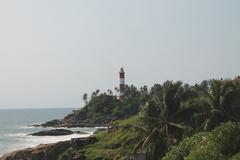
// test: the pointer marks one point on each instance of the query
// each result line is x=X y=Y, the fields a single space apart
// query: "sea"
x=16 y=125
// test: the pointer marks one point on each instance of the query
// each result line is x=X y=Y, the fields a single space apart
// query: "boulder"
x=53 y=132
x=54 y=122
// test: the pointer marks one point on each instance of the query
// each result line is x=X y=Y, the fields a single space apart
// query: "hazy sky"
x=53 y=51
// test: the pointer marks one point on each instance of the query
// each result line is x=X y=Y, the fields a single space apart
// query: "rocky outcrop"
x=49 y=151
x=53 y=132
x=41 y=152
x=54 y=122
x=70 y=123
x=79 y=119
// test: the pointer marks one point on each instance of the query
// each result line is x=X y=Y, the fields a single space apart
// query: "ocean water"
x=15 y=128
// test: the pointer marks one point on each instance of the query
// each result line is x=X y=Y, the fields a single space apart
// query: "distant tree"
x=144 y=91
x=131 y=91
x=97 y=92
x=116 y=89
x=93 y=94
x=110 y=92
x=85 y=98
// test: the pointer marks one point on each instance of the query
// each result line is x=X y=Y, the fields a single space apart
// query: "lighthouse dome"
x=121 y=70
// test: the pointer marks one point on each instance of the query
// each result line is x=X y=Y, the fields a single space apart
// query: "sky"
x=54 y=51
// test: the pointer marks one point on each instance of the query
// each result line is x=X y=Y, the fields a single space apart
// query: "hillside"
x=169 y=121
x=102 y=109
x=160 y=118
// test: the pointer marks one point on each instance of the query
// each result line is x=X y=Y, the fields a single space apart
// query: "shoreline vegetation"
x=169 y=121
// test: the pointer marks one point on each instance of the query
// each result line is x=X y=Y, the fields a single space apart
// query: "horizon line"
x=48 y=107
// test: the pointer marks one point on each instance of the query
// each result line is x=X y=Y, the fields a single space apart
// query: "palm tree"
x=131 y=91
x=151 y=141
x=163 y=122
x=110 y=92
x=85 y=98
x=218 y=101
x=97 y=92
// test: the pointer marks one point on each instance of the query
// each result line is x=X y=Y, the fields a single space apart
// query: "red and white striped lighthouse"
x=122 y=83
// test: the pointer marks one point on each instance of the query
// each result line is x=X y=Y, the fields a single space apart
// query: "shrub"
x=236 y=157
x=220 y=144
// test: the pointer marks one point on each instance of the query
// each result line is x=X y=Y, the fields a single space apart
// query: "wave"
x=15 y=135
x=101 y=127
x=22 y=140
x=28 y=141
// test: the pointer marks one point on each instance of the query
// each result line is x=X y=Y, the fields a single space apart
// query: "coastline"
x=48 y=151
x=34 y=141
x=15 y=127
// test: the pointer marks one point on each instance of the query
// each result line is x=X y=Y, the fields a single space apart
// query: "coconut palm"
x=163 y=123
x=85 y=98
x=218 y=101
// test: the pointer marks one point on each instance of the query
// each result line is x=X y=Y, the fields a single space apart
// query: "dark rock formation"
x=54 y=122
x=79 y=132
x=41 y=152
x=72 y=123
x=54 y=132
x=49 y=151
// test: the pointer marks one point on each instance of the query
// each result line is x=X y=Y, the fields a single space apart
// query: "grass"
x=115 y=144
x=134 y=120
x=118 y=143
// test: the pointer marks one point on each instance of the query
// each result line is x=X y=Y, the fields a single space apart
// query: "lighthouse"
x=122 y=83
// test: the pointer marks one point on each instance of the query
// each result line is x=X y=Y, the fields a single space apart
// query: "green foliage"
x=217 y=102
x=236 y=157
x=205 y=153
x=163 y=125
x=219 y=144
x=66 y=154
x=183 y=149
x=102 y=108
x=202 y=106
x=101 y=105
x=128 y=107
x=157 y=119
x=227 y=137
x=134 y=120
x=117 y=143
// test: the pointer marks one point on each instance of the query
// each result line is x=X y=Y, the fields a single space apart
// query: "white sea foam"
x=16 y=127
x=100 y=127
x=23 y=140
x=16 y=135
x=27 y=141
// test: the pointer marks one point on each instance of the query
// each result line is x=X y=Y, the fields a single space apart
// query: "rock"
x=79 y=132
x=50 y=151
x=35 y=125
x=81 y=142
x=77 y=119
x=54 y=122
x=41 y=152
x=54 y=132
